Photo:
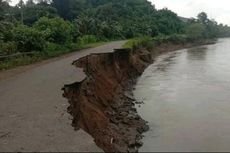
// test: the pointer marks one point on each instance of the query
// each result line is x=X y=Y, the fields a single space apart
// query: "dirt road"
x=33 y=113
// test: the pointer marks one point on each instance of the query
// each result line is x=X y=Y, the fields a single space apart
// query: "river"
x=186 y=97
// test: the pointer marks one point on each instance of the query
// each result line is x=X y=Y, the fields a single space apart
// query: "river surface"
x=187 y=100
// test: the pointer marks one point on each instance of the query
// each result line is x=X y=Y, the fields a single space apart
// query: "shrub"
x=136 y=43
x=28 y=39
x=55 y=30
x=177 y=38
x=161 y=39
x=195 y=31
x=149 y=43
x=87 y=39
x=8 y=47
x=53 y=49
x=1 y=43
x=6 y=31
x=174 y=38
x=19 y=61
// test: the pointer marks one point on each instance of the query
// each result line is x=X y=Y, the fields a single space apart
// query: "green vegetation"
x=150 y=42
x=139 y=42
x=195 y=31
x=52 y=50
x=41 y=29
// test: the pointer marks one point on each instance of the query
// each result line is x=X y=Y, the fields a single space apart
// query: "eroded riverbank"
x=33 y=113
x=103 y=104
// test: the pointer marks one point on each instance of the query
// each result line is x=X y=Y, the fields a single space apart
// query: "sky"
x=216 y=9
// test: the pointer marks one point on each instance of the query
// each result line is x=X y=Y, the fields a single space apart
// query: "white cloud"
x=14 y=2
x=218 y=10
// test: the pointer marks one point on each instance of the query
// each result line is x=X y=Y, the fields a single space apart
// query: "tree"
x=21 y=6
x=65 y=21
x=211 y=29
x=203 y=17
x=4 y=5
x=4 y=25
x=30 y=3
x=63 y=7
x=168 y=22
x=28 y=39
x=32 y=13
x=195 y=31
x=55 y=30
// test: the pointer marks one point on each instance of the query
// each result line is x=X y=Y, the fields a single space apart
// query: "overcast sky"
x=216 y=9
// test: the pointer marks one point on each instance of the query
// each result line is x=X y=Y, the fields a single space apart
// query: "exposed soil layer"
x=103 y=104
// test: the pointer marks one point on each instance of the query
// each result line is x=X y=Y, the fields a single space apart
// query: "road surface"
x=33 y=114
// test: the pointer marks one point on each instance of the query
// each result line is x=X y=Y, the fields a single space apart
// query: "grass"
x=52 y=50
x=150 y=42
x=139 y=42
x=129 y=44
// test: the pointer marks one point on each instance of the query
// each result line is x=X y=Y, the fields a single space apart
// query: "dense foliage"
x=45 y=25
x=55 y=30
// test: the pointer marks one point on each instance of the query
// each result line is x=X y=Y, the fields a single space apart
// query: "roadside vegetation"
x=40 y=29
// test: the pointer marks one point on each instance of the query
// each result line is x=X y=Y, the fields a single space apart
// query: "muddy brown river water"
x=187 y=100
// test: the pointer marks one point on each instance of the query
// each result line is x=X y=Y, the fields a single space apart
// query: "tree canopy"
x=76 y=21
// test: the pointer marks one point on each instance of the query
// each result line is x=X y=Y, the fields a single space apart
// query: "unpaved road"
x=33 y=114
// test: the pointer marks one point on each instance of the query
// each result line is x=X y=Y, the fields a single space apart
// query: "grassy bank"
x=151 y=42
x=52 y=50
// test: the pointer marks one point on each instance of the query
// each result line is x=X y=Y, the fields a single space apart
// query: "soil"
x=33 y=116
x=103 y=104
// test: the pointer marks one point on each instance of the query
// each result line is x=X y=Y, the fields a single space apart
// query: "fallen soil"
x=103 y=104
x=33 y=116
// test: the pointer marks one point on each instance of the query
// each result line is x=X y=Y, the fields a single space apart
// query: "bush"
x=1 y=43
x=28 y=39
x=56 y=30
x=19 y=61
x=8 y=48
x=174 y=38
x=149 y=43
x=178 y=38
x=87 y=39
x=6 y=31
x=136 y=43
x=195 y=31
x=161 y=39
x=53 y=49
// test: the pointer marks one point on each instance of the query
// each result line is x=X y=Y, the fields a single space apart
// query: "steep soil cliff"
x=103 y=104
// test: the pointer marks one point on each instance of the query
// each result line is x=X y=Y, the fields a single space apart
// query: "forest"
x=39 y=29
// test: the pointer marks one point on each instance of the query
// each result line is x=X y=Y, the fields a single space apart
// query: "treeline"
x=204 y=28
x=49 y=27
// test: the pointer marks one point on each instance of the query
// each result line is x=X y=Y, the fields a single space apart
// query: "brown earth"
x=103 y=104
x=33 y=116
